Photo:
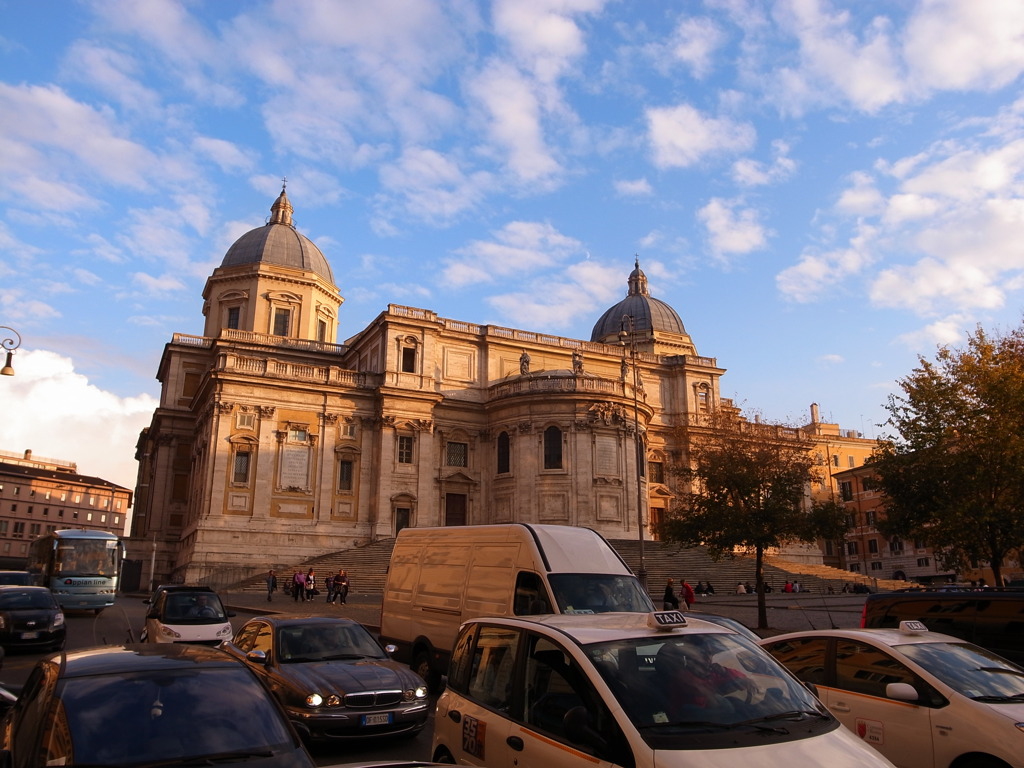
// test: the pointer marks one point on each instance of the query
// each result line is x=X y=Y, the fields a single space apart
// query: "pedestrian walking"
x=310 y=584
x=669 y=601
x=271 y=584
x=686 y=595
x=298 y=586
x=341 y=585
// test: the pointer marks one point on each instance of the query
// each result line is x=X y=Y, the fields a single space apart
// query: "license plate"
x=29 y=635
x=381 y=719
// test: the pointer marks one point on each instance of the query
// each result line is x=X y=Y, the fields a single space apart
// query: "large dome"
x=648 y=313
x=278 y=242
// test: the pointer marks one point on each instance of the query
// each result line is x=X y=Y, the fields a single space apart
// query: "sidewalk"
x=786 y=612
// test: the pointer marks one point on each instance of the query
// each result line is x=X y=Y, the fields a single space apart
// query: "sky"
x=824 y=191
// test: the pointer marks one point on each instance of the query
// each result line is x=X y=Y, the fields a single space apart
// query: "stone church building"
x=274 y=444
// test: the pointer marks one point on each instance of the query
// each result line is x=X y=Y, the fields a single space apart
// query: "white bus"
x=80 y=567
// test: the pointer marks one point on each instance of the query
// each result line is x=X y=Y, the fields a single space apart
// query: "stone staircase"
x=367 y=569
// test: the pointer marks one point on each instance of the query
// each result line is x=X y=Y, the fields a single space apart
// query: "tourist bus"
x=80 y=567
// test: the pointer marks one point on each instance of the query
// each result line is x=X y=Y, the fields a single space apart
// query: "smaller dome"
x=648 y=313
x=278 y=242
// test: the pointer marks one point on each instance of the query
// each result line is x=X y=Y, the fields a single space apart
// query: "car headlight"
x=168 y=632
x=224 y=631
x=3 y=622
x=411 y=694
x=314 y=700
x=58 y=620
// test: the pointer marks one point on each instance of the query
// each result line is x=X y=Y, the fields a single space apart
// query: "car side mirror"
x=230 y=614
x=390 y=649
x=578 y=728
x=901 y=692
x=813 y=689
x=256 y=657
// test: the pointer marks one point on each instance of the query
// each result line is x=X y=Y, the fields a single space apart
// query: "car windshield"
x=20 y=601
x=326 y=642
x=598 y=593
x=130 y=719
x=185 y=606
x=691 y=683
x=969 y=670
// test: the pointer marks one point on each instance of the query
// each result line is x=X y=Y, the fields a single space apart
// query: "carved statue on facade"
x=524 y=363
x=577 y=362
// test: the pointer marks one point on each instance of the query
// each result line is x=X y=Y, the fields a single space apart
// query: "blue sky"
x=822 y=190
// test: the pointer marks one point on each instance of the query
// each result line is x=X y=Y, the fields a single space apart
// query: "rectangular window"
x=876 y=565
x=241 y=471
x=849 y=460
x=835 y=460
x=245 y=421
x=405 y=445
x=851 y=547
x=923 y=561
x=896 y=545
x=234 y=314
x=348 y=430
x=282 y=321
x=3 y=527
x=346 y=469
x=409 y=360
x=298 y=435
x=873 y=546
x=456 y=454
x=321 y=330
x=829 y=548
x=846 y=490
x=19 y=529
x=657 y=471
x=870 y=517
x=34 y=529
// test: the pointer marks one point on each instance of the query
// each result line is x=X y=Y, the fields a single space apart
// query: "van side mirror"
x=578 y=728
x=901 y=692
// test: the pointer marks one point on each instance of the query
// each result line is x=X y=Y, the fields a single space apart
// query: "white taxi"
x=629 y=689
x=923 y=699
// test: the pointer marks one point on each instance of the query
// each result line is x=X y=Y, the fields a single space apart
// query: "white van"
x=440 y=577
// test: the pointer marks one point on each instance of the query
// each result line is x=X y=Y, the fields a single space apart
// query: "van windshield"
x=598 y=593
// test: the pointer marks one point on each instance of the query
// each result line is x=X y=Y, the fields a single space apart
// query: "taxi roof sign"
x=666 y=620
x=912 y=627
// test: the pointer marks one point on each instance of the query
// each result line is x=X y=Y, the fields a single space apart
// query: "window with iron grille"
x=457 y=454
x=346 y=471
x=657 y=469
x=504 y=454
x=241 y=472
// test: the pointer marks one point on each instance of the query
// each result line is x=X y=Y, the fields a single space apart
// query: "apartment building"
x=38 y=495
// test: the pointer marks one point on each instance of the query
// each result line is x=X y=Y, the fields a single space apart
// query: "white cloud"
x=634 y=188
x=694 y=42
x=519 y=248
x=682 y=136
x=61 y=415
x=748 y=172
x=982 y=44
x=732 y=229
x=226 y=154
x=862 y=198
x=816 y=273
x=542 y=34
x=433 y=186
x=949 y=331
x=514 y=121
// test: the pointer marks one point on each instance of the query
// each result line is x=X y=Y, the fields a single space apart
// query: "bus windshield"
x=86 y=557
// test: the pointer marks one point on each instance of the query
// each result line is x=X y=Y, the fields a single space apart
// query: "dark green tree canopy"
x=748 y=488
x=953 y=470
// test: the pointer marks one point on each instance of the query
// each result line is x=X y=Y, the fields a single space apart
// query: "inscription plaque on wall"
x=238 y=502
x=606 y=460
x=295 y=466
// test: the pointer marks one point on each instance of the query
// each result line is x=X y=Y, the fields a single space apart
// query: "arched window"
x=552 y=448
x=503 y=454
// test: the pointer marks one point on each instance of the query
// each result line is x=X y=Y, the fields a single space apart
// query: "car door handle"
x=840 y=706
x=454 y=715
x=515 y=742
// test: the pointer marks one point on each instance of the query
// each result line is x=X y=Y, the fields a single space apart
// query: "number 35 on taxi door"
x=473 y=733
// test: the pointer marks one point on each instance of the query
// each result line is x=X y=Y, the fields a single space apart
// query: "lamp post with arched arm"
x=10 y=344
x=628 y=330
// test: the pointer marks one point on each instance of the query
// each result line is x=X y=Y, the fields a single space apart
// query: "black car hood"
x=349 y=677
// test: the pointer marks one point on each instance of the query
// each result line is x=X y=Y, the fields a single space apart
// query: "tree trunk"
x=762 y=608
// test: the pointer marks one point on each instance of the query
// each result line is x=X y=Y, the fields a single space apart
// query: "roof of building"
x=648 y=313
x=278 y=242
x=41 y=473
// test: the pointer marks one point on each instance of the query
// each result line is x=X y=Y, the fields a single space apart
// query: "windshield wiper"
x=346 y=656
x=994 y=698
x=1001 y=671
x=798 y=714
x=688 y=724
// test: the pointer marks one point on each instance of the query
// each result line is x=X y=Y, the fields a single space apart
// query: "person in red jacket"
x=686 y=593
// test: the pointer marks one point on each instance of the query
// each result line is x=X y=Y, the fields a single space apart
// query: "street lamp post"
x=629 y=322
x=10 y=344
